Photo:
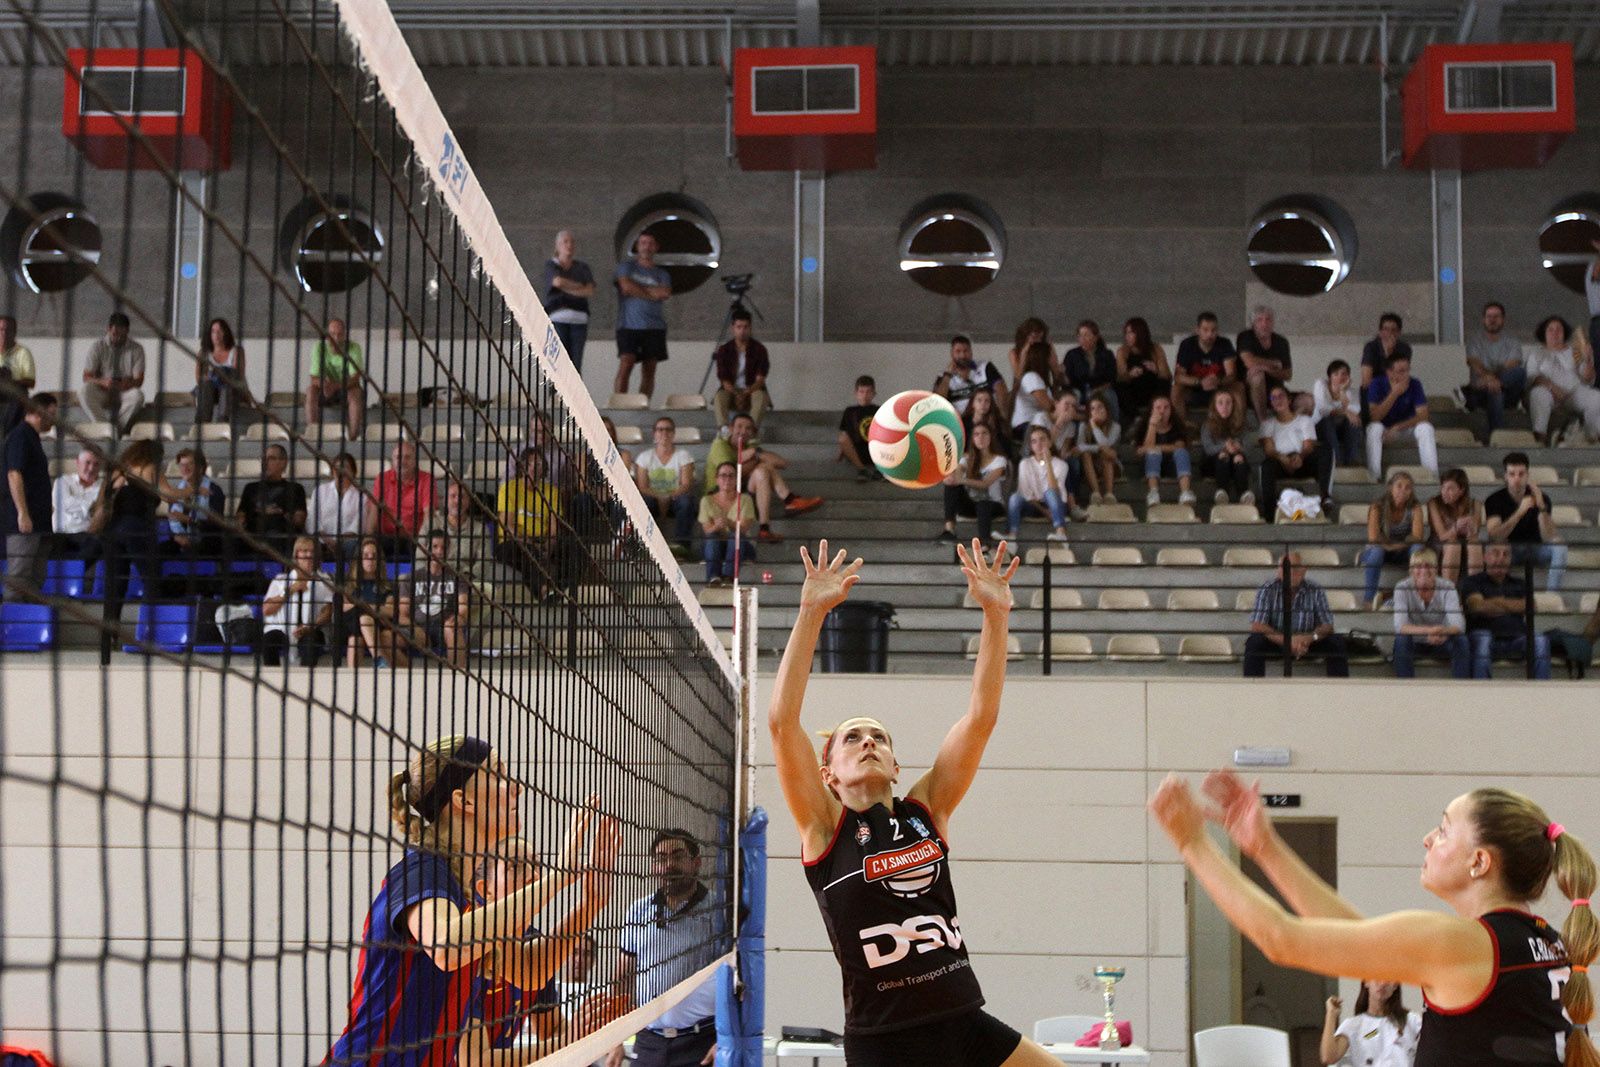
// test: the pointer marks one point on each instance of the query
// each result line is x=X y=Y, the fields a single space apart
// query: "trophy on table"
x=1109 y=976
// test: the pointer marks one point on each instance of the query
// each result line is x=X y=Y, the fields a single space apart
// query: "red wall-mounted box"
x=1448 y=128
x=839 y=132
x=186 y=111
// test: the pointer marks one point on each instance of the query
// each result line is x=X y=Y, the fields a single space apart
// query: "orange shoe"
x=799 y=505
x=767 y=537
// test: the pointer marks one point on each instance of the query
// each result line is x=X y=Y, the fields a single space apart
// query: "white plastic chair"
x=1241 y=1046
x=1064 y=1029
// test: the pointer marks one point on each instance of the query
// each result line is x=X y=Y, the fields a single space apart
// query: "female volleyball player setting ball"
x=877 y=862
x=423 y=941
x=1495 y=978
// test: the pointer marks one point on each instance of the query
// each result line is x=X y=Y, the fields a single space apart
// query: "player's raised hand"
x=1237 y=808
x=828 y=582
x=1175 y=809
x=577 y=845
x=988 y=581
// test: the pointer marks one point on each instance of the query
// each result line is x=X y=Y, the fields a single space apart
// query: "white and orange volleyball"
x=916 y=439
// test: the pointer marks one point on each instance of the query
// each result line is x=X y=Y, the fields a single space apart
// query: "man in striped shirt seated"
x=1310 y=624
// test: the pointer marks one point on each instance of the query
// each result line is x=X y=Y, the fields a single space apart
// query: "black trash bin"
x=855 y=638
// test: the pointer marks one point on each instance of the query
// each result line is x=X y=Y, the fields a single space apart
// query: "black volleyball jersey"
x=1518 y=1019
x=884 y=889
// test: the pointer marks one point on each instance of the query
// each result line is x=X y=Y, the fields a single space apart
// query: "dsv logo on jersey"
x=927 y=931
x=907 y=872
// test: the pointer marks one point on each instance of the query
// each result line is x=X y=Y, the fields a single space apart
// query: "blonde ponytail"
x=1575 y=875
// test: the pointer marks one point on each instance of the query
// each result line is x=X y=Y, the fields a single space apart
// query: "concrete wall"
x=1056 y=863
x=1123 y=191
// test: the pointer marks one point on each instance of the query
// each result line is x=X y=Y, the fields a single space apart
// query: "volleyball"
x=916 y=439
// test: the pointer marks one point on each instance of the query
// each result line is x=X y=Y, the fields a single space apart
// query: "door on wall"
x=1230 y=981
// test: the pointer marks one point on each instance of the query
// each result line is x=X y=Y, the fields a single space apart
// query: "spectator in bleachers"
x=965 y=376
x=1223 y=456
x=1041 y=487
x=1264 y=360
x=665 y=476
x=1496 y=378
x=742 y=367
x=1397 y=410
x=567 y=285
x=1310 y=618
x=1142 y=370
x=337 y=364
x=1336 y=409
x=434 y=605
x=530 y=512
x=854 y=424
x=114 y=378
x=763 y=474
x=726 y=516
x=1519 y=515
x=124 y=519
x=273 y=509
x=1166 y=451
x=297 y=607
x=462 y=521
x=542 y=437
x=1395 y=531
x=403 y=500
x=1098 y=446
x=1495 y=601
x=367 y=598
x=1091 y=368
x=219 y=381
x=74 y=497
x=977 y=487
x=194 y=518
x=642 y=289
x=1591 y=290
x=984 y=410
x=1428 y=620
x=1206 y=362
x=1289 y=440
x=25 y=508
x=1033 y=400
x=15 y=357
x=1382 y=349
x=1066 y=429
x=1455 y=525
x=338 y=509
x=1030 y=331
x=1561 y=378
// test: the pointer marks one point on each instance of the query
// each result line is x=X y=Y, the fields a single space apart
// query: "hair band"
x=1580 y=968
x=458 y=769
x=1580 y=902
x=1554 y=830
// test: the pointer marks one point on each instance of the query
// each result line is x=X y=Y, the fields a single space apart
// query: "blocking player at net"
x=878 y=862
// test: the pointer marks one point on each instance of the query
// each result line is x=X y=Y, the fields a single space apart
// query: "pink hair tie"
x=1554 y=830
x=1580 y=902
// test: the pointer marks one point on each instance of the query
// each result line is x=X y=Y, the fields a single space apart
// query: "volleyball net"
x=327 y=501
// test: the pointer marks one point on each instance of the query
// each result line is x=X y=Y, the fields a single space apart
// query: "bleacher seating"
x=27 y=627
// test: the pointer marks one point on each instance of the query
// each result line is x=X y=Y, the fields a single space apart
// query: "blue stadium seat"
x=189 y=568
x=26 y=627
x=168 y=627
x=66 y=577
x=398 y=571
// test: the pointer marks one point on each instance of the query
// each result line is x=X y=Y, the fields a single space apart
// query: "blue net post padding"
x=741 y=1013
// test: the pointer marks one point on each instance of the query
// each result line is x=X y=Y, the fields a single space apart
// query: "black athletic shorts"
x=646 y=346
x=973 y=1039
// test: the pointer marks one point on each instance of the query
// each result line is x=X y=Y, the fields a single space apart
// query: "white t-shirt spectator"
x=333 y=515
x=1024 y=410
x=1375 y=1041
x=299 y=609
x=72 y=503
x=1324 y=404
x=997 y=488
x=663 y=474
x=983 y=376
x=1032 y=481
x=1289 y=437
x=1559 y=366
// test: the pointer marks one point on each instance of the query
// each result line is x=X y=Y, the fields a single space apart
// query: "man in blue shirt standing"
x=642 y=289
